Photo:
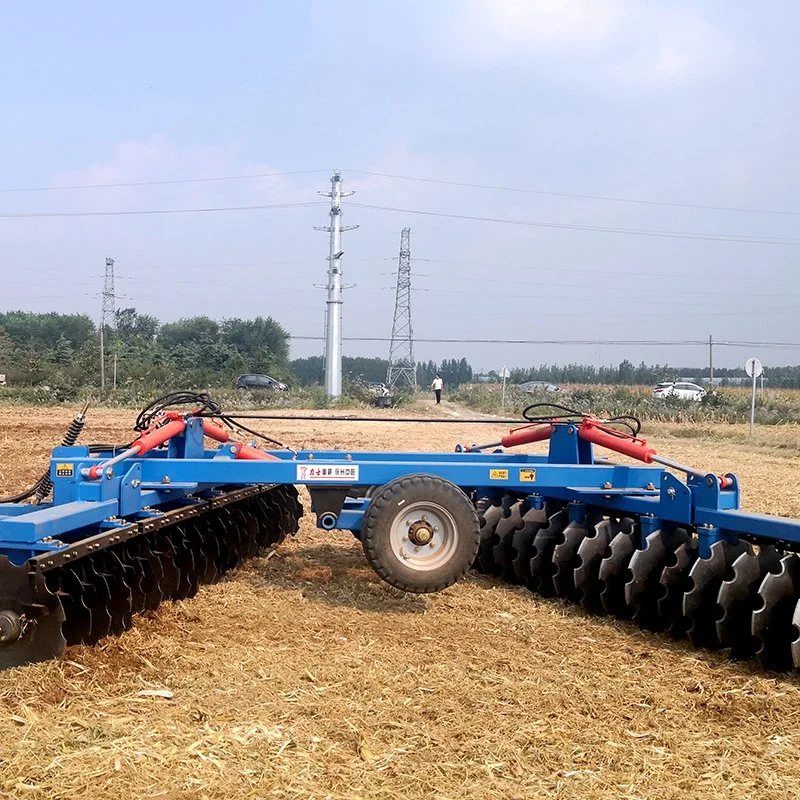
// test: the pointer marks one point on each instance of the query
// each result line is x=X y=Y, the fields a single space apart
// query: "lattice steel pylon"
x=402 y=367
x=107 y=315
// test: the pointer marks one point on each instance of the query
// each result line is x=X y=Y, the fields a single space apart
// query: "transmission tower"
x=402 y=368
x=333 y=308
x=106 y=316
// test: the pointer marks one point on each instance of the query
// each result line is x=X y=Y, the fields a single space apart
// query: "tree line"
x=311 y=371
x=64 y=350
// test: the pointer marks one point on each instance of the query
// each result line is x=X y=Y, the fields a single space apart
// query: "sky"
x=644 y=159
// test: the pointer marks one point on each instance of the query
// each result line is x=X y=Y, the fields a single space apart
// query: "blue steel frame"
x=147 y=486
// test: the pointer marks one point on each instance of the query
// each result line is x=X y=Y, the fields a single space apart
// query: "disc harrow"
x=94 y=589
x=736 y=597
x=131 y=527
x=698 y=581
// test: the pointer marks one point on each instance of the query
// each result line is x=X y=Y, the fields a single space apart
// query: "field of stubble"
x=303 y=676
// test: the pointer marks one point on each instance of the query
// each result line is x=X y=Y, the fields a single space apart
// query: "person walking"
x=437 y=385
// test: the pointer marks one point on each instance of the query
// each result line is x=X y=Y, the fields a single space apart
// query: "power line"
x=44 y=214
x=574 y=195
x=163 y=182
x=641 y=274
x=460 y=184
x=569 y=342
x=635 y=292
x=709 y=237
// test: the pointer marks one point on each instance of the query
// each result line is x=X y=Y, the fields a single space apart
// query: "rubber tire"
x=387 y=501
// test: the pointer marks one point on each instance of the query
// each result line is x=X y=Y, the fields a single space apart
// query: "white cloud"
x=608 y=39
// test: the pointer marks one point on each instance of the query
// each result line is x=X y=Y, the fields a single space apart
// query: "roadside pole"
x=504 y=374
x=753 y=368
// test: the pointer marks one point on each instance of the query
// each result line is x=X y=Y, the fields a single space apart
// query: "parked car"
x=663 y=389
x=538 y=386
x=260 y=382
x=681 y=390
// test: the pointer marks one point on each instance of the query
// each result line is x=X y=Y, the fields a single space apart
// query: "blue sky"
x=687 y=103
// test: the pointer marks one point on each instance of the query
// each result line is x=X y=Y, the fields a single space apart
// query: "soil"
x=302 y=675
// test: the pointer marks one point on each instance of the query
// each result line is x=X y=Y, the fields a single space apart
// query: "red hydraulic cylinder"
x=526 y=435
x=242 y=451
x=590 y=431
x=146 y=442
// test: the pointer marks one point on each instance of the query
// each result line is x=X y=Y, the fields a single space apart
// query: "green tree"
x=308 y=371
x=131 y=326
x=64 y=352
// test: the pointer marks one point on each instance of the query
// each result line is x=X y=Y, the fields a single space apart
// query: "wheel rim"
x=413 y=525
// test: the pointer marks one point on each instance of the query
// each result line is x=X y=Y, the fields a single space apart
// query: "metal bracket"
x=326 y=500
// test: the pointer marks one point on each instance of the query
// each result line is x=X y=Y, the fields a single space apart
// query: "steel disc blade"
x=260 y=511
x=194 y=540
x=796 y=636
x=205 y=551
x=97 y=600
x=138 y=565
x=772 y=619
x=72 y=592
x=153 y=577
x=614 y=574
x=565 y=560
x=269 y=519
x=738 y=598
x=26 y=596
x=184 y=561
x=502 y=552
x=591 y=551
x=117 y=575
x=673 y=580
x=164 y=550
x=522 y=544
x=644 y=588
x=483 y=561
x=544 y=543
x=292 y=510
x=702 y=591
x=235 y=538
x=218 y=527
x=250 y=530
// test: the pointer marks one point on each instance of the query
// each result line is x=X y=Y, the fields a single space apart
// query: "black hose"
x=201 y=400
x=633 y=424
x=315 y=418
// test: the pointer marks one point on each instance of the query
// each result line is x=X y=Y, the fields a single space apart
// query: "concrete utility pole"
x=333 y=313
x=710 y=360
x=106 y=316
x=402 y=367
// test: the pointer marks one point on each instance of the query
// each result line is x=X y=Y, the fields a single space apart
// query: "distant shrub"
x=724 y=405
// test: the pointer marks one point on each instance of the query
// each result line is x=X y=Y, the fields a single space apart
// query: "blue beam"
x=57 y=520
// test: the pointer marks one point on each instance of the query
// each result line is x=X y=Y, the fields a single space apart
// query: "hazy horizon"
x=655 y=147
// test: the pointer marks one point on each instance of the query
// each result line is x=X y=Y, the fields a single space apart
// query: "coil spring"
x=45 y=483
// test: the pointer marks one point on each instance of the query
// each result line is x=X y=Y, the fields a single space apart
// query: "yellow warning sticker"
x=65 y=470
x=498 y=474
x=527 y=475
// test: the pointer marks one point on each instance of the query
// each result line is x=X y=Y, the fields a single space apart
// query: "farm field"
x=302 y=675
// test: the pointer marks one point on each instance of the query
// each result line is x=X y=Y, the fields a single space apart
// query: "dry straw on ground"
x=303 y=676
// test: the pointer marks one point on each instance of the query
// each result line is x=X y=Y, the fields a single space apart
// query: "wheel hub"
x=10 y=626
x=420 y=532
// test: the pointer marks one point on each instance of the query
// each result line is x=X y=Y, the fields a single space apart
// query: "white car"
x=681 y=390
